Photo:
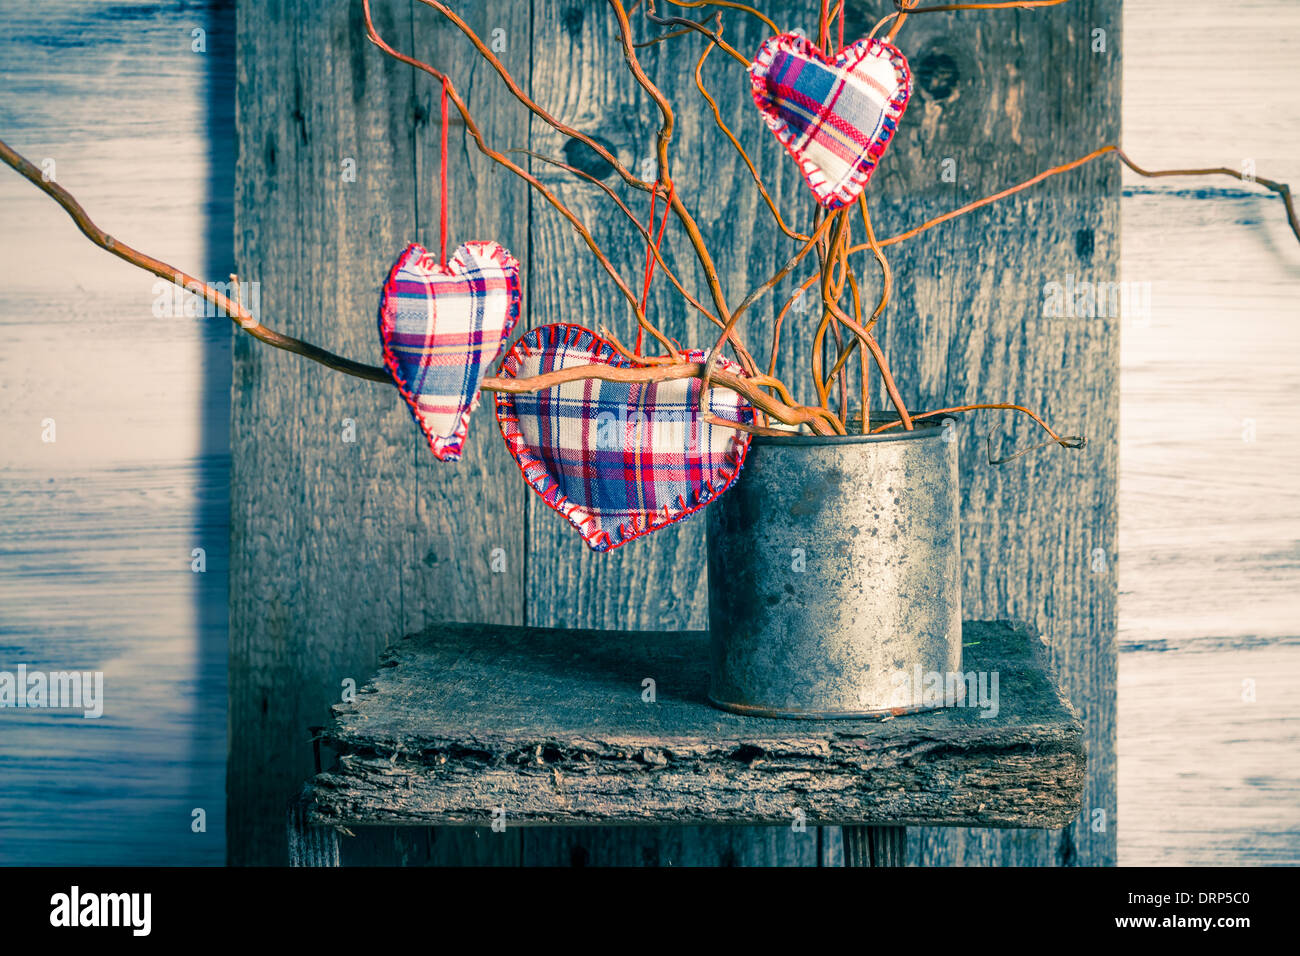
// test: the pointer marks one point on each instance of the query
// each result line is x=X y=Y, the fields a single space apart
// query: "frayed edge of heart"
x=547 y=487
x=444 y=447
x=828 y=198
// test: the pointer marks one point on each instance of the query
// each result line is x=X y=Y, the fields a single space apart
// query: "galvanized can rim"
x=928 y=429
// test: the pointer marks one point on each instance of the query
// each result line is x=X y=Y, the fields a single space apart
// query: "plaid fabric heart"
x=834 y=117
x=618 y=459
x=442 y=328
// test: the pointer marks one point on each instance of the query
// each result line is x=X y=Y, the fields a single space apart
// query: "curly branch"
x=728 y=3
x=753 y=296
x=692 y=26
x=758 y=181
x=886 y=376
x=907 y=7
x=518 y=93
x=687 y=220
x=1282 y=189
x=645 y=233
x=1068 y=441
x=454 y=95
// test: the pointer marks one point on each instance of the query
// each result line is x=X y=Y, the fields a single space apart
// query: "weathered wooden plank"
x=1006 y=94
x=466 y=559
x=346 y=545
x=466 y=510
x=1190 y=473
x=430 y=846
x=875 y=846
x=670 y=846
x=579 y=74
x=651 y=583
x=310 y=845
x=472 y=724
x=320 y=523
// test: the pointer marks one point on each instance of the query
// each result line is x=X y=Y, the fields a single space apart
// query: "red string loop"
x=442 y=199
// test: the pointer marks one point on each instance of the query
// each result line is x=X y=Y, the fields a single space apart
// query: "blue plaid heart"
x=617 y=459
x=836 y=116
x=441 y=328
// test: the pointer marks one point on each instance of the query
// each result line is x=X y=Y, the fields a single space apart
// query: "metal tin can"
x=835 y=575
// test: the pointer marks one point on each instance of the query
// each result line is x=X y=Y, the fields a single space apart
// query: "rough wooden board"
x=875 y=846
x=1007 y=94
x=309 y=511
x=551 y=727
x=464 y=511
x=343 y=547
x=671 y=846
x=95 y=523
x=657 y=582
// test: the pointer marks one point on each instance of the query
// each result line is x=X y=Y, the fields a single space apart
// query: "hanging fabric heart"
x=834 y=116
x=441 y=328
x=617 y=459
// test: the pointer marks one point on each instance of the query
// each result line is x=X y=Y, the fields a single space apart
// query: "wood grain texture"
x=551 y=726
x=99 y=525
x=660 y=582
x=875 y=846
x=345 y=546
x=1007 y=94
x=320 y=525
x=466 y=511
x=1209 y=519
x=963 y=327
x=310 y=845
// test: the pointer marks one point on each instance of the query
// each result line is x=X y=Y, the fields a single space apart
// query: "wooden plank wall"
x=343 y=547
x=347 y=545
x=1008 y=94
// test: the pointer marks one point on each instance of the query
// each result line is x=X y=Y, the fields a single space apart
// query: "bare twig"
x=988 y=448
x=1012 y=4
x=231 y=307
x=753 y=172
x=987 y=200
x=797 y=415
x=645 y=233
x=868 y=340
x=454 y=95
x=733 y=5
x=907 y=7
x=1282 y=189
x=752 y=429
x=1068 y=441
x=753 y=296
x=692 y=26
x=518 y=93
x=762 y=381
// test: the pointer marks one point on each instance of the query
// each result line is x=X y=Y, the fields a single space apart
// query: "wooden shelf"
x=553 y=727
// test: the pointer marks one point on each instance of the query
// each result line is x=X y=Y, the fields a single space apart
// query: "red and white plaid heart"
x=617 y=459
x=834 y=116
x=441 y=328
